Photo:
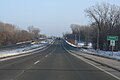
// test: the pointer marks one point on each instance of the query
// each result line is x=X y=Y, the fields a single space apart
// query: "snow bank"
x=20 y=50
x=70 y=43
x=108 y=54
x=30 y=48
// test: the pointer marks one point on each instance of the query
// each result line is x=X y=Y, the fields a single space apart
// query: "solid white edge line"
x=94 y=65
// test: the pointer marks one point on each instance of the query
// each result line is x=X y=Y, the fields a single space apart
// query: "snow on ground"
x=108 y=54
x=19 y=50
x=32 y=47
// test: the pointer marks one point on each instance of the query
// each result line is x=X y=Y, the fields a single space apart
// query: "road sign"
x=112 y=42
x=112 y=38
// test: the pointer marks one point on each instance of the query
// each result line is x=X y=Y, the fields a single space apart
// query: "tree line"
x=105 y=21
x=10 y=34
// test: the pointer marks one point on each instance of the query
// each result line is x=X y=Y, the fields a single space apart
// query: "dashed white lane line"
x=36 y=62
x=46 y=56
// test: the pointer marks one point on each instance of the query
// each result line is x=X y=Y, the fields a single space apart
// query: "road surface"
x=54 y=63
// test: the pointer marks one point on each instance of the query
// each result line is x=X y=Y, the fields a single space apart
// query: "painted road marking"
x=46 y=56
x=93 y=65
x=36 y=62
x=97 y=67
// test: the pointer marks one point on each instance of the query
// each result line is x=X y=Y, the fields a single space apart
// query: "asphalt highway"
x=54 y=63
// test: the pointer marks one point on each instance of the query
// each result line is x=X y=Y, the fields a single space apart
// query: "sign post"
x=112 y=40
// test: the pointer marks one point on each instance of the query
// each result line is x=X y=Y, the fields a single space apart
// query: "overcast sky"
x=53 y=17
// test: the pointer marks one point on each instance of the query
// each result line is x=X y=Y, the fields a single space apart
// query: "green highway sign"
x=112 y=38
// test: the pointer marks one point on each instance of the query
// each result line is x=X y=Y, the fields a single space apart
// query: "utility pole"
x=79 y=37
x=75 y=40
x=98 y=31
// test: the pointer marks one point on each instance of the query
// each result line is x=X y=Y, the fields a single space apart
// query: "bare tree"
x=34 y=32
x=10 y=34
x=105 y=17
x=81 y=33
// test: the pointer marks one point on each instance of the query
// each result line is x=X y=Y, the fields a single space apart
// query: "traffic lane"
x=60 y=65
x=55 y=67
x=17 y=67
x=12 y=68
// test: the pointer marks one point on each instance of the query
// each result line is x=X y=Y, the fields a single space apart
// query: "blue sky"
x=53 y=17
